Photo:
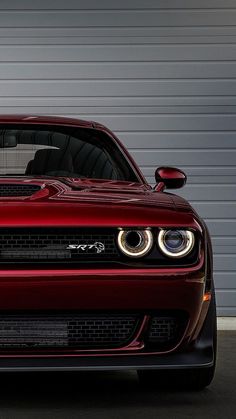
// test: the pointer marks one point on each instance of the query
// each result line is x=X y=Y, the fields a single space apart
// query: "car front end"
x=100 y=274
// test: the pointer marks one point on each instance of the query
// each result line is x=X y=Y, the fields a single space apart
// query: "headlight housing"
x=176 y=243
x=135 y=243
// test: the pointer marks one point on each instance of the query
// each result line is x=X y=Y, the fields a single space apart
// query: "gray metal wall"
x=160 y=73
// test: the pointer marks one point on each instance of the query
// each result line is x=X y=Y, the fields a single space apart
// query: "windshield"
x=61 y=151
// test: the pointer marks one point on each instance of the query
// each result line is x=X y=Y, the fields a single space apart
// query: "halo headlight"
x=135 y=243
x=176 y=243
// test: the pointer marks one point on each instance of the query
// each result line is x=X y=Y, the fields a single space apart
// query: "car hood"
x=91 y=202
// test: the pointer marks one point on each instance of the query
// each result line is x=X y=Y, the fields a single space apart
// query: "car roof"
x=40 y=119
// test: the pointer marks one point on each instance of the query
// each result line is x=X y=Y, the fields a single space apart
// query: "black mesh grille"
x=18 y=189
x=78 y=331
x=22 y=244
x=162 y=329
x=166 y=331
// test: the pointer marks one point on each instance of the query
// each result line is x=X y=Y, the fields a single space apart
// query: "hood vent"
x=10 y=189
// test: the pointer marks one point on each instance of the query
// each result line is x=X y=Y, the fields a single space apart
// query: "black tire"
x=185 y=379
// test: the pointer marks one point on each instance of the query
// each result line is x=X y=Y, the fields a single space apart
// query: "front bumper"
x=115 y=290
x=200 y=355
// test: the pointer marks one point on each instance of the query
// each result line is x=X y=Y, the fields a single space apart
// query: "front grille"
x=18 y=189
x=66 y=331
x=48 y=244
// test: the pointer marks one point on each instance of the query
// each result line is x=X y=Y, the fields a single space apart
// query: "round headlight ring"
x=183 y=250
x=135 y=243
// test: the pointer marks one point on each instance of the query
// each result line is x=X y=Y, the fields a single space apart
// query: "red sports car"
x=99 y=270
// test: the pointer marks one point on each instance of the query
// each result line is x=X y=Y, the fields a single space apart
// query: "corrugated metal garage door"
x=160 y=73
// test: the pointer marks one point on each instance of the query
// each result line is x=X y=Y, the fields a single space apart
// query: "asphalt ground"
x=118 y=394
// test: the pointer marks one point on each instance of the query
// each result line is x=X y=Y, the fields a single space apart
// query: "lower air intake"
x=162 y=329
x=63 y=331
x=164 y=332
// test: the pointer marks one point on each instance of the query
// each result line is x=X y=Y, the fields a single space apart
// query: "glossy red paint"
x=88 y=202
x=169 y=178
x=95 y=203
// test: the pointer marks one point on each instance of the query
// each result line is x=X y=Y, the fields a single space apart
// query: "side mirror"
x=169 y=178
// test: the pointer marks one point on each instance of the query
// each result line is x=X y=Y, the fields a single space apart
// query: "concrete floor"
x=118 y=395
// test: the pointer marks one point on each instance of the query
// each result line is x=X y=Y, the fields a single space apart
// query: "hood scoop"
x=11 y=189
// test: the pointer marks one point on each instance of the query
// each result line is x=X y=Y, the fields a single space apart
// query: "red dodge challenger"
x=99 y=271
